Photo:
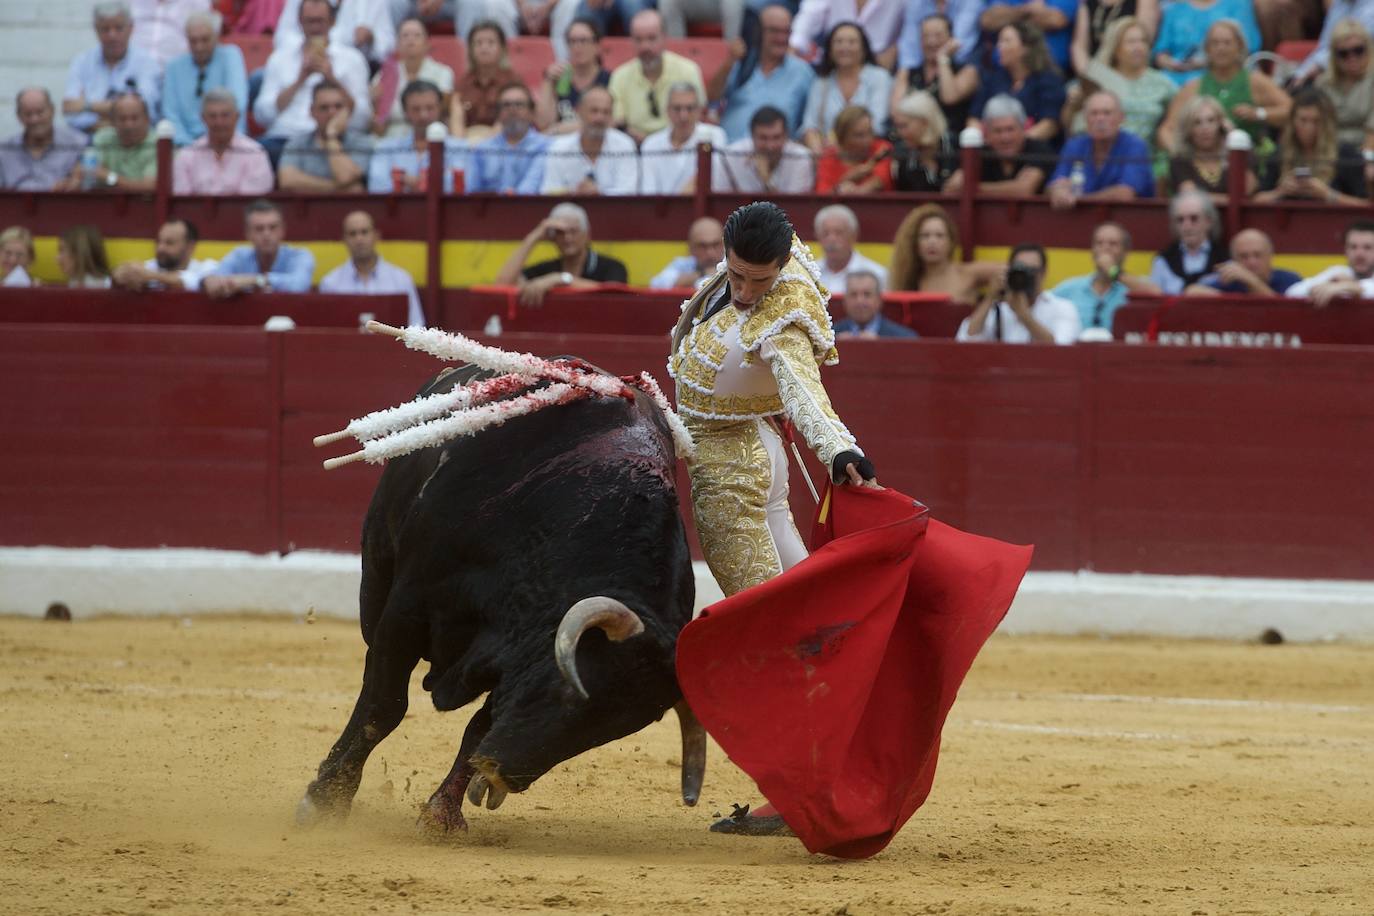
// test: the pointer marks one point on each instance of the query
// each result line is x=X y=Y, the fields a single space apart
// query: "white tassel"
x=394 y=419
x=683 y=445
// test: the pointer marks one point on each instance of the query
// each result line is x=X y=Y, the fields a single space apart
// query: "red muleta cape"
x=830 y=683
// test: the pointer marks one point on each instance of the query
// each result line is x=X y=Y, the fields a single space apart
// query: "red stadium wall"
x=1112 y=458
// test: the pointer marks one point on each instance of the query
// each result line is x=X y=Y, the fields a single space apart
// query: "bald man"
x=365 y=273
x=706 y=246
x=1249 y=272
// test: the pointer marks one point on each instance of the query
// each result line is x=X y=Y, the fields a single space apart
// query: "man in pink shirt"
x=223 y=161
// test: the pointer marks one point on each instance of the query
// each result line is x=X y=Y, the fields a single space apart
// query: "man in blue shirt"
x=1250 y=271
x=209 y=65
x=1106 y=163
x=401 y=164
x=1099 y=294
x=1053 y=17
x=97 y=76
x=778 y=79
x=863 y=309
x=264 y=264
x=512 y=161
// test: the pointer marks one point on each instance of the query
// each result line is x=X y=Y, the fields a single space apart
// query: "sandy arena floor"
x=152 y=766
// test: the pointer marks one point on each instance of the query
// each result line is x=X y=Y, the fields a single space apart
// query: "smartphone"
x=1302 y=171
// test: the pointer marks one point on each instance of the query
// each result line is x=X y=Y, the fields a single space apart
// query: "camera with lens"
x=1021 y=278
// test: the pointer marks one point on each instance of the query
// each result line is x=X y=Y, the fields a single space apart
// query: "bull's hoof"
x=316 y=808
x=440 y=818
x=742 y=823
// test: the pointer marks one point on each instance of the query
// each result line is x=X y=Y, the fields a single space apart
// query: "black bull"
x=490 y=557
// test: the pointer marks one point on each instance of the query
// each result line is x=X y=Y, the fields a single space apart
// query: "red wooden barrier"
x=114 y=306
x=1242 y=321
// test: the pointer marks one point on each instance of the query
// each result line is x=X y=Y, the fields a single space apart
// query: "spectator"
x=848 y=77
x=1200 y=160
x=706 y=247
x=1026 y=73
x=331 y=158
x=857 y=162
x=1179 y=45
x=400 y=164
x=1023 y=313
x=640 y=86
x=941 y=68
x=1251 y=100
x=128 y=150
x=1099 y=294
x=879 y=20
x=1106 y=163
x=1349 y=83
x=924 y=157
x=365 y=273
x=512 y=162
x=362 y=24
x=222 y=161
x=1122 y=67
x=411 y=62
x=160 y=27
x=42 y=157
x=1054 y=19
x=208 y=65
x=555 y=105
x=1311 y=164
x=1250 y=271
x=1352 y=280
x=464 y=14
x=577 y=265
x=97 y=76
x=1194 y=253
x=1362 y=11
x=606 y=12
x=923 y=258
x=264 y=264
x=1095 y=18
x=16 y=257
x=958 y=36
x=473 y=108
x=668 y=158
x=677 y=13
x=598 y=159
x=283 y=103
x=81 y=257
x=173 y=265
x=1013 y=163
x=837 y=231
x=767 y=162
x=863 y=310
x=768 y=76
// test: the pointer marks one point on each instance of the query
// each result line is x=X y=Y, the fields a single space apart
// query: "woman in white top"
x=411 y=62
x=16 y=254
x=848 y=76
x=81 y=257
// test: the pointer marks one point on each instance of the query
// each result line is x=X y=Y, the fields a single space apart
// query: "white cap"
x=971 y=138
x=279 y=323
x=1239 y=140
x=165 y=130
x=436 y=132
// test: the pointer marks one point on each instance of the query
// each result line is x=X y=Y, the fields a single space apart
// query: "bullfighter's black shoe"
x=741 y=823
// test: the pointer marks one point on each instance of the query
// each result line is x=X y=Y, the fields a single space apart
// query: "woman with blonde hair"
x=923 y=258
x=1122 y=67
x=81 y=257
x=924 y=157
x=856 y=163
x=1349 y=83
x=1311 y=163
x=1200 y=162
x=16 y=255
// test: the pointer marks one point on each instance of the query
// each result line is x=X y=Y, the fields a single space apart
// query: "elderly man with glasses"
x=98 y=76
x=512 y=161
x=208 y=65
x=577 y=265
x=668 y=158
x=1195 y=251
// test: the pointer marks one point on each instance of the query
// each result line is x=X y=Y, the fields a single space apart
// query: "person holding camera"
x=1023 y=312
x=576 y=266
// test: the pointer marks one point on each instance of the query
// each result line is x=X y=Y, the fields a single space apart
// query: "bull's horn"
x=693 y=753
x=599 y=612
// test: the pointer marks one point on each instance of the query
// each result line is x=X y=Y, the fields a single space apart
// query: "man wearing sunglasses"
x=1195 y=252
x=640 y=86
x=208 y=65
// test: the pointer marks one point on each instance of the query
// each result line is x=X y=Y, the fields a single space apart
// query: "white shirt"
x=616 y=169
x=386 y=279
x=18 y=277
x=833 y=280
x=666 y=169
x=733 y=170
x=370 y=14
x=350 y=70
x=190 y=277
x=1060 y=316
x=683 y=264
x=1303 y=288
x=881 y=21
x=160 y=26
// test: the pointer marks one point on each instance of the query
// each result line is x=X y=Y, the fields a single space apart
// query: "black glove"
x=862 y=464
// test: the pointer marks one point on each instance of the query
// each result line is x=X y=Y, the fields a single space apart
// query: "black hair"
x=949 y=24
x=192 y=234
x=1034 y=247
x=416 y=87
x=589 y=23
x=759 y=233
x=261 y=205
x=827 y=64
x=1359 y=225
x=766 y=116
x=327 y=85
x=333 y=8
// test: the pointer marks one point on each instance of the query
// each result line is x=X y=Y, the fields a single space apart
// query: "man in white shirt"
x=365 y=273
x=173 y=265
x=1351 y=280
x=668 y=159
x=765 y=163
x=837 y=231
x=283 y=104
x=706 y=242
x=362 y=24
x=597 y=159
x=1025 y=314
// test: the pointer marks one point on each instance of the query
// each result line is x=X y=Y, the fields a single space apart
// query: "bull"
x=543 y=563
